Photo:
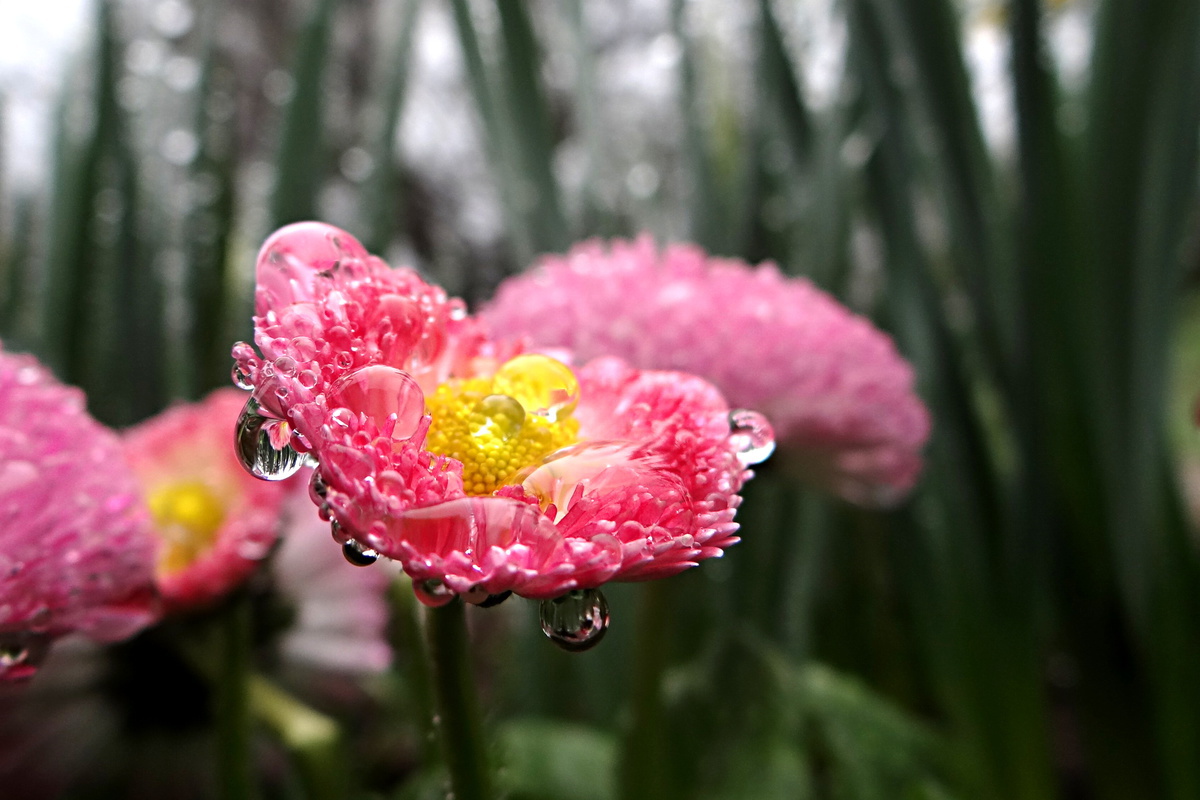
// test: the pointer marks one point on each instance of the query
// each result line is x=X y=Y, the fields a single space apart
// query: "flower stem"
x=460 y=724
x=643 y=772
x=232 y=707
x=312 y=738
x=409 y=650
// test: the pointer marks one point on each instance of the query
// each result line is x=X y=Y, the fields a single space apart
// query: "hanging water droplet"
x=495 y=599
x=241 y=378
x=577 y=620
x=544 y=386
x=317 y=490
x=252 y=442
x=340 y=534
x=499 y=416
x=21 y=654
x=358 y=555
x=751 y=436
x=433 y=592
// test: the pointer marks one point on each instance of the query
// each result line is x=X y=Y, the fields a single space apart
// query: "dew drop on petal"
x=21 y=653
x=317 y=488
x=495 y=599
x=358 y=555
x=751 y=436
x=499 y=416
x=577 y=620
x=544 y=386
x=340 y=534
x=433 y=592
x=259 y=457
x=241 y=378
x=381 y=391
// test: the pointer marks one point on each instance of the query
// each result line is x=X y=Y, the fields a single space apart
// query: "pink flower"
x=340 y=612
x=76 y=553
x=480 y=470
x=214 y=522
x=838 y=395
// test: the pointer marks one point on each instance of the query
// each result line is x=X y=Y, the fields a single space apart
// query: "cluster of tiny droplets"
x=492 y=435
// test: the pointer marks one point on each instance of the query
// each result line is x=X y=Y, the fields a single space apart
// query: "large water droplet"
x=317 y=490
x=358 y=555
x=241 y=378
x=433 y=592
x=542 y=385
x=340 y=534
x=577 y=620
x=21 y=653
x=751 y=436
x=381 y=392
x=252 y=442
x=498 y=415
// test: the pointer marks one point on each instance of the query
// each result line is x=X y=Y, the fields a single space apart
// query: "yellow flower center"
x=187 y=516
x=497 y=426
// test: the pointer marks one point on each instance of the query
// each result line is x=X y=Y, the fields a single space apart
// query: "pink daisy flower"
x=837 y=393
x=76 y=553
x=214 y=522
x=481 y=470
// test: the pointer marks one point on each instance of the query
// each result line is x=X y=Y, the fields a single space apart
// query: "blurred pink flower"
x=837 y=393
x=215 y=523
x=340 y=612
x=76 y=553
x=480 y=470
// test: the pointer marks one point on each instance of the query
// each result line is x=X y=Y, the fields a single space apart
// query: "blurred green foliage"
x=1026 y=626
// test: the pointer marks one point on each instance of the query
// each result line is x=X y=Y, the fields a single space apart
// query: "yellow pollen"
x=187 y=516
x=491 y=433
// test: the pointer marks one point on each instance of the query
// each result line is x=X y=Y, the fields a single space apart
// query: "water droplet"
x=340 y=534
x=21 y=653
x=544 y=386
x=433 y=592
x=500 y=416
x=241 y=378
x=358 y=555
x=285 y=365
x=751 y=436
x=381 y=392
x=577 y=620
x=495 y=599
x=317 y=488
x=252 y=442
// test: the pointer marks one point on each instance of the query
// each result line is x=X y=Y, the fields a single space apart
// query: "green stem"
x=408 y=645
x=232 y=707
x=643 y=757
x=460 y=724
x=312 y=738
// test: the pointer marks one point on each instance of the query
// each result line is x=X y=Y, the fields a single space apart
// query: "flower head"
x=214 y=522
x=480 y=469
x=76 y=553
x=838 y=395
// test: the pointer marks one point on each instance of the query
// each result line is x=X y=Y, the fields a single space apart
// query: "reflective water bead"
x=380 y=391
x=252 y=443
x=545 y=386
x=21 y=653
x=358 y=555
x=498 y=415
x=241 y=378
x=751 y=436
x=340 y=534
x=577 y=620
x=433 y=592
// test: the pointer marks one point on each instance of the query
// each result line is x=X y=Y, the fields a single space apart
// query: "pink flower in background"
x=837 y=393
x=479 y=469
x=340 y=612
x=76 y=552
x=214 y=522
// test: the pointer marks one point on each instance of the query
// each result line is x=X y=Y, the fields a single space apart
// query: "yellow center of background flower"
x=497 y=426
x=187 y=516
